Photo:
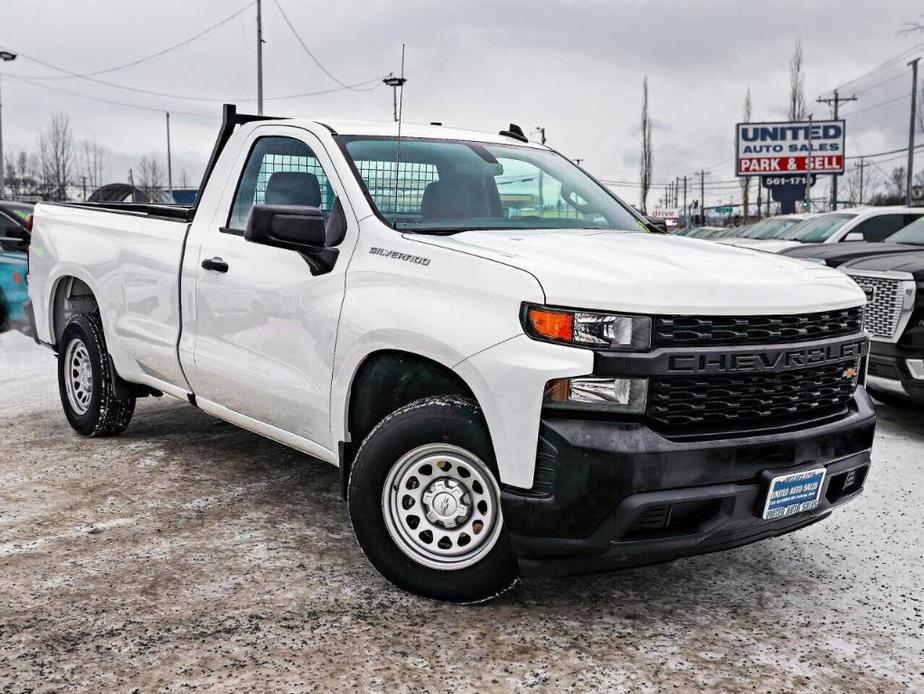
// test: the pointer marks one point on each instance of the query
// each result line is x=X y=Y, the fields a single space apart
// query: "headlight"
x=587 y=329
x=626 y=395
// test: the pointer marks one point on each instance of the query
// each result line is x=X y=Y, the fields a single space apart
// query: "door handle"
x=215 y=264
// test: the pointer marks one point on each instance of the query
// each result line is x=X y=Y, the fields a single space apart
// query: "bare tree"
x=151 y=178
x=95 y=162
x=896 y=183
x=56 y=156
x=21 y=173
x=746 y=180
x=797 y=107
x=645 y=162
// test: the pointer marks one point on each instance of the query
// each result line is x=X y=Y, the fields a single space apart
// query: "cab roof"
x=390 y=129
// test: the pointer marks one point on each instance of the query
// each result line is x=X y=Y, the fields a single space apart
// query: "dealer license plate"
x=795 y=493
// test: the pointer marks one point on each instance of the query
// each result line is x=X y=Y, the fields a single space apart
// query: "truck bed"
x=129 y=255
x=177 y=213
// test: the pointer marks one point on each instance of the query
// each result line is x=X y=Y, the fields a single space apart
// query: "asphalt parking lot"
x=190 y=554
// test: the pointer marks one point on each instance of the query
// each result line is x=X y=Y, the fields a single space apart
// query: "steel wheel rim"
x=78 y=376
x=456 y=503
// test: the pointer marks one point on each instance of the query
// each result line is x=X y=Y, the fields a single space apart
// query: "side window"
x=878 y=228
x=280 y=171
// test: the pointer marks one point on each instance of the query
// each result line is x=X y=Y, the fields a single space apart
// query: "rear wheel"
x=425 y=503
x=85 y=380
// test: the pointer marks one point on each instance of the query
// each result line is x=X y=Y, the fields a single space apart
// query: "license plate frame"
x=802 y=493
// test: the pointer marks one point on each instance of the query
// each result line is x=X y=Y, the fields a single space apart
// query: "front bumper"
x=619 y=494
x=889 y=370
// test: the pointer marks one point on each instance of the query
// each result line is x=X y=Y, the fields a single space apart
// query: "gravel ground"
x=190 y=554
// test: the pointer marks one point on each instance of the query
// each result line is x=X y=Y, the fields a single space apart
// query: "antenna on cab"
x=400 y=86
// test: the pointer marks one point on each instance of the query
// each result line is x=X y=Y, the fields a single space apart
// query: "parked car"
x=894 y=285
x=12 y=288
x=909 y=239
x=766 y=229
x=855 y=224
x=561 y=389
x=14 y=229
x=14 y=237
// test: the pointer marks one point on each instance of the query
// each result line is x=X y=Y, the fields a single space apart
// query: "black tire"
x=443 y=420
x=103 y=414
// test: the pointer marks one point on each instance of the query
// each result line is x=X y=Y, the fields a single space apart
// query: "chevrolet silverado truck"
x=514 y=371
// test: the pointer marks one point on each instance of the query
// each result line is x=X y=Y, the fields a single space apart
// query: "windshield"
x=770 y=228
x=819 y=229
x=454 y=185
x=913 y=233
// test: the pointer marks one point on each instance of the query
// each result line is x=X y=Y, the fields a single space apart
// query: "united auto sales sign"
x=774 y=149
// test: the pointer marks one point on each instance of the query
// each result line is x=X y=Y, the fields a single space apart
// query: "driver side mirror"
x=854 y=236
x=294 y=227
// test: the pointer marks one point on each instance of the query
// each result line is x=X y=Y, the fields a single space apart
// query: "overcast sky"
x=573 y=67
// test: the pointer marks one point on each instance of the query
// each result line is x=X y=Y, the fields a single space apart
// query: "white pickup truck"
x=514 y=372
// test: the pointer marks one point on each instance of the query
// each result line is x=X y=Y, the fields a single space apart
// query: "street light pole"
x=6 y=57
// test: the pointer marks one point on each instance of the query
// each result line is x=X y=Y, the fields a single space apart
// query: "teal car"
x=14 y=237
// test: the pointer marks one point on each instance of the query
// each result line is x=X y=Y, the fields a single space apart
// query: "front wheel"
x=85 y=380
x=425 y=503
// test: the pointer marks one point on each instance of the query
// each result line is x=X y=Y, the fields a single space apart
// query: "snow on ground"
x=187 y=553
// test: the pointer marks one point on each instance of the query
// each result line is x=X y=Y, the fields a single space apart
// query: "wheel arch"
x=69 y=294
x=403 y=377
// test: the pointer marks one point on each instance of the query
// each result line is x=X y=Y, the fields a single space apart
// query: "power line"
x=902 y=75
x=311 y=55
x=882 y=154
x=877 y=105
x=879 y=68
x=147 y=58
x=186 y=97
x=112 y=101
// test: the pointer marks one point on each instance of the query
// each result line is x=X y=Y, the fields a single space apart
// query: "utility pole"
x=702 y=195
x=83 y=183
x=914 y=104
x=169 y=160
x=260 y=57
x=808 y=170
x=578 y=161
x=862 y=165
x=685 y=208
x=834 y=102
x=6 y=57
x=131 y=183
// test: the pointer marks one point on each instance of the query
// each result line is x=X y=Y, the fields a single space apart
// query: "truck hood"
x=835 y=254
x=894 y=262
x=765 y=245
x=658 y=274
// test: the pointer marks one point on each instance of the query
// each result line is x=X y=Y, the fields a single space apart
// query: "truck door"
x=264 y=326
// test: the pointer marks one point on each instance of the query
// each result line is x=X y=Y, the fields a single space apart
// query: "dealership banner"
x=774 y=149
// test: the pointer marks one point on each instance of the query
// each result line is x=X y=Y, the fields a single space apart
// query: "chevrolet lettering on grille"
x=772 y=360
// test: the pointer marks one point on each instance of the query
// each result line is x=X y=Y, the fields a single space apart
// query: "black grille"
x=688 y=331
x=742 y=400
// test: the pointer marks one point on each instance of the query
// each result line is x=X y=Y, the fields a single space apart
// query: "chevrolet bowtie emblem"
x=849 y=373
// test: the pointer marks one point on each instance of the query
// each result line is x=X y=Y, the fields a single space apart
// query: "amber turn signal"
x=553 y=325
